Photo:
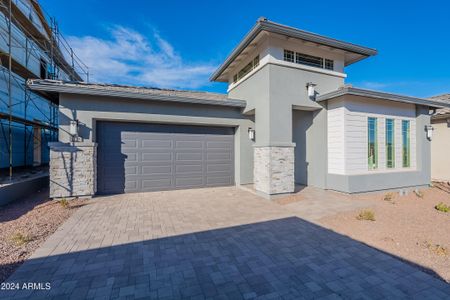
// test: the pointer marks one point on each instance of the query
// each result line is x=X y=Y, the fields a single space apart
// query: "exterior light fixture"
x=73 y=129
x=251 y=134
x=429 y=129
x=310 y=87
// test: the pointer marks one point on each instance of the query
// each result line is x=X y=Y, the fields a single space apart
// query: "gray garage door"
x=134 y=157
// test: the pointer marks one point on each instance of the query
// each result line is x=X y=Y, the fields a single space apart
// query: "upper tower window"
x=247 y=69
x=289 y=55
x=308 y=60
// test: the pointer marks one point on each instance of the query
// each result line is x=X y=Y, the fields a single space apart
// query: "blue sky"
x=177 y=44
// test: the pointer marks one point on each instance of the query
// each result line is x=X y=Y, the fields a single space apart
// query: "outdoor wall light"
x=429 y=129
x=251 y=134
x=311 y=90
x=73 y=129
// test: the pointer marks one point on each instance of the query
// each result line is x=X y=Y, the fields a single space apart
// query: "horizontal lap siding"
x=348 y=137
x=335 y=121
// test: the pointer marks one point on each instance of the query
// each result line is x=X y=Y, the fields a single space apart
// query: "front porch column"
x=274 y=169
x=73 y=169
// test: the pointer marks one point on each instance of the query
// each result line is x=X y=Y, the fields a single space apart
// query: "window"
x=43 y=69
x=373 y=147
x=390 y=147
x=406 y=151
x=288 y=56
x=308 y=60
x=247 y=69
x=329 y=64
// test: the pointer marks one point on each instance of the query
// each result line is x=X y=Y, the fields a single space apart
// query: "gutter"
x=60 y=87
x=380 y=95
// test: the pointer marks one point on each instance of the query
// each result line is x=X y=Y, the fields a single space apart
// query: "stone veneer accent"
x=274 y=169
x=73 y=169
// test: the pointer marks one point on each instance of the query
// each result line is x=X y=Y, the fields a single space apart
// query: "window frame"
x=406 y=144
x=246 y=69
x=390 y=163
x=372 y=162
x=294 y=57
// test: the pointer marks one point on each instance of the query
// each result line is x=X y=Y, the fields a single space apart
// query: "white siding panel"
x=336 y=129
x=347 y=134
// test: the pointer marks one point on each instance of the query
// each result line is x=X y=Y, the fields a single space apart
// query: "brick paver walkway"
x=221 y=243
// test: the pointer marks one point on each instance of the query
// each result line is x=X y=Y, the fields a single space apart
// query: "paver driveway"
x=211 y=243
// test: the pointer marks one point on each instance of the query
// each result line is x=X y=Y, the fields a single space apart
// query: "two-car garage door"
x=135 y=157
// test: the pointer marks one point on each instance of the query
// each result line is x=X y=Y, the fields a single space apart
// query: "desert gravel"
x=36 y=218
x=405 y=226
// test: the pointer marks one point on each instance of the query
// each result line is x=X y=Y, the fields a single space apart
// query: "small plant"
x=366 y=215
x=418 y=193
x=64 y=203
x=442 y=207
x=21 y=239
x=388 y=197
x=435 y=248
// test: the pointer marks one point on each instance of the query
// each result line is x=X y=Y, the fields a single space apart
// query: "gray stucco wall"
x=90 y=109
x=273 y=92
x=310 y=136
x=392 y=180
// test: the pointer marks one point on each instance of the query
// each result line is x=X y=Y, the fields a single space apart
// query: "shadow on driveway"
x=286 y=258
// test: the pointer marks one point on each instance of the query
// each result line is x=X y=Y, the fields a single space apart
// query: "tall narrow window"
x=390 y=148
x=373 y=147
x=406 y=151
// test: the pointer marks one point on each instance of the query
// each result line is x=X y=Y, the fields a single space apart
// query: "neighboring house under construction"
x=30 y=47
x=440 y=158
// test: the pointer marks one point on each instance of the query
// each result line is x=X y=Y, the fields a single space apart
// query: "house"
x=31 y=117
x=288 y=118
x=440 y=159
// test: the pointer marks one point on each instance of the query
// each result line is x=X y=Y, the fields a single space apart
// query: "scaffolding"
x=31 y=46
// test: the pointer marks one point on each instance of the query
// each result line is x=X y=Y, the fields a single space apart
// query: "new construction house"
x=288 y=119
x=30 y=47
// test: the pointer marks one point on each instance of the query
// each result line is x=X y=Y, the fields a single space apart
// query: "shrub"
x=388 y=197
x=418 y=193
x=64 y=203
x=367 y=215
x=21 y=239
x=442 y=207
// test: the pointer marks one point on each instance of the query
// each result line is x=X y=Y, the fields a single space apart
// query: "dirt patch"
x=406 y=226
x=26 y=224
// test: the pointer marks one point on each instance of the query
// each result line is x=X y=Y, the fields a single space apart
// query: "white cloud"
x=129 y=57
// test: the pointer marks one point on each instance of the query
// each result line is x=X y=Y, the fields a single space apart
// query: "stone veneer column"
x=73 y=169
x=273 y=171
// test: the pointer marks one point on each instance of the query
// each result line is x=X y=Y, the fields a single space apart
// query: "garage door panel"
x=221 y=145
x=149 y=170
x=190 y=145
x=189 y=156
x=219 y=156
x=157 y=183
x=189 y=182
x=157 y=144
x=150 y=157
x=219 y=180
x=189 y=168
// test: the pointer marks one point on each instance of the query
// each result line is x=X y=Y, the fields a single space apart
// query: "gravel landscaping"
x=26 y=224
x=406 y=226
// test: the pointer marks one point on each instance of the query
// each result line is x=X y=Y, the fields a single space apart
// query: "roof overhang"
x=263 y=25
x=81 y=88
x=380 y=95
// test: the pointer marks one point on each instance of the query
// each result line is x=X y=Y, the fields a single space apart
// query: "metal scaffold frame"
x=61 y=58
